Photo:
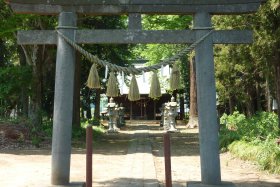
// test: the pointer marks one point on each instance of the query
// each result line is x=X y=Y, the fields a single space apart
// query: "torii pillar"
x=63 y=101
x=206 y=101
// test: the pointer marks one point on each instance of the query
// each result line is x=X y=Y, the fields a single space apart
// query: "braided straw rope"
x=133 y=70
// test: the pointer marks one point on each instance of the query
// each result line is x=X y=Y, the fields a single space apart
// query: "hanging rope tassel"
x=155 y=91
x=112 y=86
x=175 y=78
x=133 y=94
x=93 y=78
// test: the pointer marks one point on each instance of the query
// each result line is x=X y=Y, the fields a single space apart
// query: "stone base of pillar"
x=199 y=184
x=73 y=184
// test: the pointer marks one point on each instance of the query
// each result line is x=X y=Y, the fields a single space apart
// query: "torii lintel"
x=119 y=7
x=44 y=37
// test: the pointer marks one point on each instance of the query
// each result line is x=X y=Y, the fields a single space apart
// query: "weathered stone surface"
x=111 y=7
x=135 y=37
x=206 y=102
x=134 y=2
x=63 y=103
x=199 y=184
x=134 y=21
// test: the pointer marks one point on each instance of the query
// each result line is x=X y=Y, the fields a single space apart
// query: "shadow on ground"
x=256 y=184
x=182 y=144
x=128 y=182
x=132 y=182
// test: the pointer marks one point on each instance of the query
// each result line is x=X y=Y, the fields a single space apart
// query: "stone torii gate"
x=68 y=10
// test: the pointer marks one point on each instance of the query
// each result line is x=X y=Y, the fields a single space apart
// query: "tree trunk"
x=249 y=104
x=258 y=97
x=193 y=118
x=277 y=79
x=182 y=107
x=2 y=54
x=76 y=100
x=35 y=107
x=23 y=106
x=97 y=105
x=231 y=104
x=267 y=95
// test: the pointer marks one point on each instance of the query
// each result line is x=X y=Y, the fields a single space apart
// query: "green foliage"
x=275 y=4
x=10 y=23
x=13 y=79
x=266 y=154
x=80 y=133
x=11 y=120
x=162 y=22
x=233 y=121
x=156 y=52
x=47 y=127
x=252 y=138
x=116 y=54
x=246 y=73
x=237 y=126
x=92 y=121
x=98 y=132
x=36 y=140
x=227 y=137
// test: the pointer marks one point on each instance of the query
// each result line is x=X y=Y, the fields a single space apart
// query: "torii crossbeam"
x=206 y=91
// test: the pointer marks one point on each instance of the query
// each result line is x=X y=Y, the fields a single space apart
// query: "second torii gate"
x=206 y=91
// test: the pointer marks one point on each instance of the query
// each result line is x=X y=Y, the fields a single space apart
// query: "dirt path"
x=186 y=164
x=118 y=161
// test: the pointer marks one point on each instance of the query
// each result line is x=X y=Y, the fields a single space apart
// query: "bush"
x=265 y=154
x=80 y=133
x=237 y=126
x=252 y=138
x=227 y=137
x=228 y=129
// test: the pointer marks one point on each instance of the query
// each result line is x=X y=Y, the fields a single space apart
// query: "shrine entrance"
x=202 y=10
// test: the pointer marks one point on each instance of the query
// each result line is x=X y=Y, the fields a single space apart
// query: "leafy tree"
x=116 y=54
x=39 y=58
x=157 y=52
x=268 y=39
x=12 y=78
x=253 y=69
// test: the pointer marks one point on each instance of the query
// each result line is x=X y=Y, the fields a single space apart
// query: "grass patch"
x=252 y=138
x=266 y=155
x=80 y=133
